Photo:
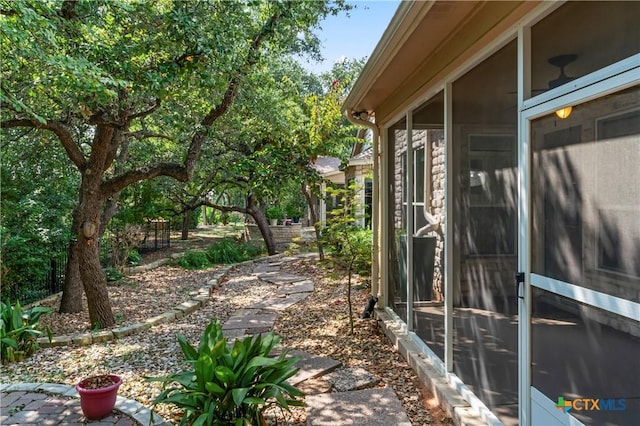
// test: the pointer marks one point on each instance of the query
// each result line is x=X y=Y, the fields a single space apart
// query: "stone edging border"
x=198 y=298
x=129 y=407
x=446 y=394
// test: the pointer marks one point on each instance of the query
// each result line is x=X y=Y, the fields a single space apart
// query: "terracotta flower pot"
x=98 y=395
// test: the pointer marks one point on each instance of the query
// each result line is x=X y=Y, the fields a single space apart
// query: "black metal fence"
x=51 y=281
x=157 y=237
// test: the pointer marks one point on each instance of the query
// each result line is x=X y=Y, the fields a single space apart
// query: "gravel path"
x=318 y=325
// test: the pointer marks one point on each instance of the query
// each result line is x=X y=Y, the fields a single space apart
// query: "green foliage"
x=273 y=211
x=113 y=275
x=225 y=217
x=224 y=251
x=19 y=330
x=196 y=215
x=351 y=245
x=194 y=259
x=230 y=384
x=294 y=201
x=23 y=261
x=221 y=252
x=35 y=218
x=229 y=251
x=134 y=258
x=144 y=200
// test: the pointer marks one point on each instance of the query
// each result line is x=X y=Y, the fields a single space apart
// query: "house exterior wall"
x=358 y=173
x=434 y=140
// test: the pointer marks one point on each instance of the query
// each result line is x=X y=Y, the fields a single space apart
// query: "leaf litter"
x=318 y=325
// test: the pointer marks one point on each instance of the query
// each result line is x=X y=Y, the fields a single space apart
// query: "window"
x=492 y=226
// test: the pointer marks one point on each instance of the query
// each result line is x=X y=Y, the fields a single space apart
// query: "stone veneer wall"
x=282 y=234
x=435 y=140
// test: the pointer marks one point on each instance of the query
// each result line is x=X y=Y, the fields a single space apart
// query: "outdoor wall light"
x=564 y=112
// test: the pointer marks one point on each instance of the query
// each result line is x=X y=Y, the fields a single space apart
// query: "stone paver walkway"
x=335 y=396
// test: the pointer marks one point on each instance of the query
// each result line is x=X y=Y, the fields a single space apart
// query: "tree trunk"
x=87 y=223
x=350 y=273
x=264 y=228
x=313 y=215
x=186 y=221
x=94 y=282
x=71 y=301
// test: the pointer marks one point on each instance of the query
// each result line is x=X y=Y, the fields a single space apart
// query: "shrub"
x=194 y=259
x=273 y=212
x=25 y=266
x=230 y=384
x=221 y=252
x=254 y=250
x=229 y=251
x=225 y=251
x=19 y=330
x=122 y=242
x=134 y=258
x=113 y=275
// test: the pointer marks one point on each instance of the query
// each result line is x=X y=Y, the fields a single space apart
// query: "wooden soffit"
x=425 y=41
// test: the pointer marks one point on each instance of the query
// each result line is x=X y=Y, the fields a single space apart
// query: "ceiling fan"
x=560 y=61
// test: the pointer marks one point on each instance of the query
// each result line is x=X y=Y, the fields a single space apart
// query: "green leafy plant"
x=228 y=251
x=113 y=275
x=19 y=330
x=351 y=245
x=134 y=258
x=273 y=212
x=225 y=251
x=294 y=204
x=194 y=259
x=230 y=384
x=221 y=252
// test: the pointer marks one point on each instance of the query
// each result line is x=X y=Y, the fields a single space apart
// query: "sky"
x=353 y=37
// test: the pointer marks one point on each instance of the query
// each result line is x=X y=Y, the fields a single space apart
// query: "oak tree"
x=132 y=90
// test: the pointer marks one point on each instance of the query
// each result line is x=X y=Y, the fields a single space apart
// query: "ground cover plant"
x=224 y=251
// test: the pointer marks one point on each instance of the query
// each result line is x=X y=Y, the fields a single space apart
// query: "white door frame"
x=616 y=77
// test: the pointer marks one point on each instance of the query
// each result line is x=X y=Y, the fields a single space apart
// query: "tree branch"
x=143 y=134
x=176 y=171
x=59 y=129
x=230 y=94
x=223 y=208
x=154 y=106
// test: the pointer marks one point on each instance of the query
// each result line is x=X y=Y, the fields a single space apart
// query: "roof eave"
x=390 y=42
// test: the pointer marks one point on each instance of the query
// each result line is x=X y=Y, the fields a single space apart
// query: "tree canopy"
x=131 y=90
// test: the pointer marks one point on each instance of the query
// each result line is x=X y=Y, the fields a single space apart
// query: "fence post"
x=155 y=233
x=53 y=277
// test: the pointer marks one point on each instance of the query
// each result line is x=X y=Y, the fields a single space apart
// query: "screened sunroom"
x=507 y=204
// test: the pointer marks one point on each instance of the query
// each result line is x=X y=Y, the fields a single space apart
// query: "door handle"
x=519 y=280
